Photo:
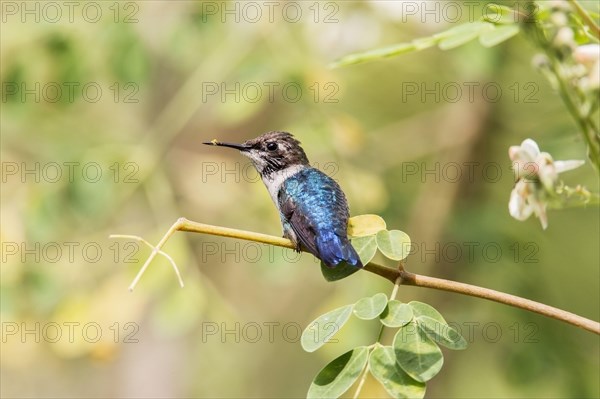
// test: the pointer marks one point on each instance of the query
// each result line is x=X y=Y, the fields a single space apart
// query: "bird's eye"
x=272 y=146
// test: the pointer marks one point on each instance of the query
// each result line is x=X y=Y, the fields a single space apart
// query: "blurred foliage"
x=389 y=147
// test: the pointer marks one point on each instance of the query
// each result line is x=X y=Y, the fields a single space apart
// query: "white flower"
x=517 y=205
x=537 y=177
x=523 y=158
x=588 y=54
x=524 y=201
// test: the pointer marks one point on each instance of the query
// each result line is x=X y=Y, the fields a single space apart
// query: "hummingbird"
x=312 y=206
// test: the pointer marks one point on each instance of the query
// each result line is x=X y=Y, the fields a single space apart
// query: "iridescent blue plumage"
x=313 y=208
x=314 y=211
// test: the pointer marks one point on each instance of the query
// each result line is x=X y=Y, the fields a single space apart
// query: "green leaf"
x=396 y=314
x=441 y=333
x=436 y=327
x=370 y=307
x=449 y=39
x=498 y=14
x=462 y=34
x=365 y=225
x=339 y=375
x=423 y=309
x=384 y=52
x=387 y=52
x=394 y=244
x=424 y=42
x=396 y=382
x=324 y=327
x=339 y=272
x=416 y=353
x=498 y=35
x=366 y=247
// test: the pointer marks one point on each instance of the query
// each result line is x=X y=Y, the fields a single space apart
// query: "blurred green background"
x=104 y=108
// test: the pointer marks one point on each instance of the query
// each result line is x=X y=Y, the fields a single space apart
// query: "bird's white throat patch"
x=274 y=181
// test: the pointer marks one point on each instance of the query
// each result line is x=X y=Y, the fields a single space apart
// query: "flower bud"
x=564 y=38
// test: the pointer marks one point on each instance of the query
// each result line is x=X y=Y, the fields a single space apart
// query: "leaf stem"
x=363 y=378
x=586 y=18
x=381 y=329
x=388 y=273
x=392 y=297
x=396 y=287
x=574 y=100
x=587 y=130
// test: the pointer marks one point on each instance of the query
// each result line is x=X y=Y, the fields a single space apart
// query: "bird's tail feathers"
x=334 y=249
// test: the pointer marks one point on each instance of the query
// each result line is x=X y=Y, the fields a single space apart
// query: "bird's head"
x=270 y=152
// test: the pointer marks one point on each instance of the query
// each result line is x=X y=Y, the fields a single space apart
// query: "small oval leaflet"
x=339 y=375
x=416 y=353
x=366 y=248
x=443 y=334
x=498 y=35
x=370 y=307
x=324 y=327
x=397 y=314
x=462 y=34
x=394 y=244
x=498 y=14
x=365 y=225
x=396 y=382
x=423 y=309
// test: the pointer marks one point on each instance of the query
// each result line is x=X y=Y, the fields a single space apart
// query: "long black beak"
x=241 y=147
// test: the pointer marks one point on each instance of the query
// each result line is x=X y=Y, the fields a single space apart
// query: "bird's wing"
x=301 y=225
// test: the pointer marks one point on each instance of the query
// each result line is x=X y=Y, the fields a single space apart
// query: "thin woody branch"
x=406 y=278
x=500 y=297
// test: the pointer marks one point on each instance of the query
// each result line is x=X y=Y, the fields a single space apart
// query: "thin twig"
x=388 y=273
x=154 y=249
x=586 y=18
